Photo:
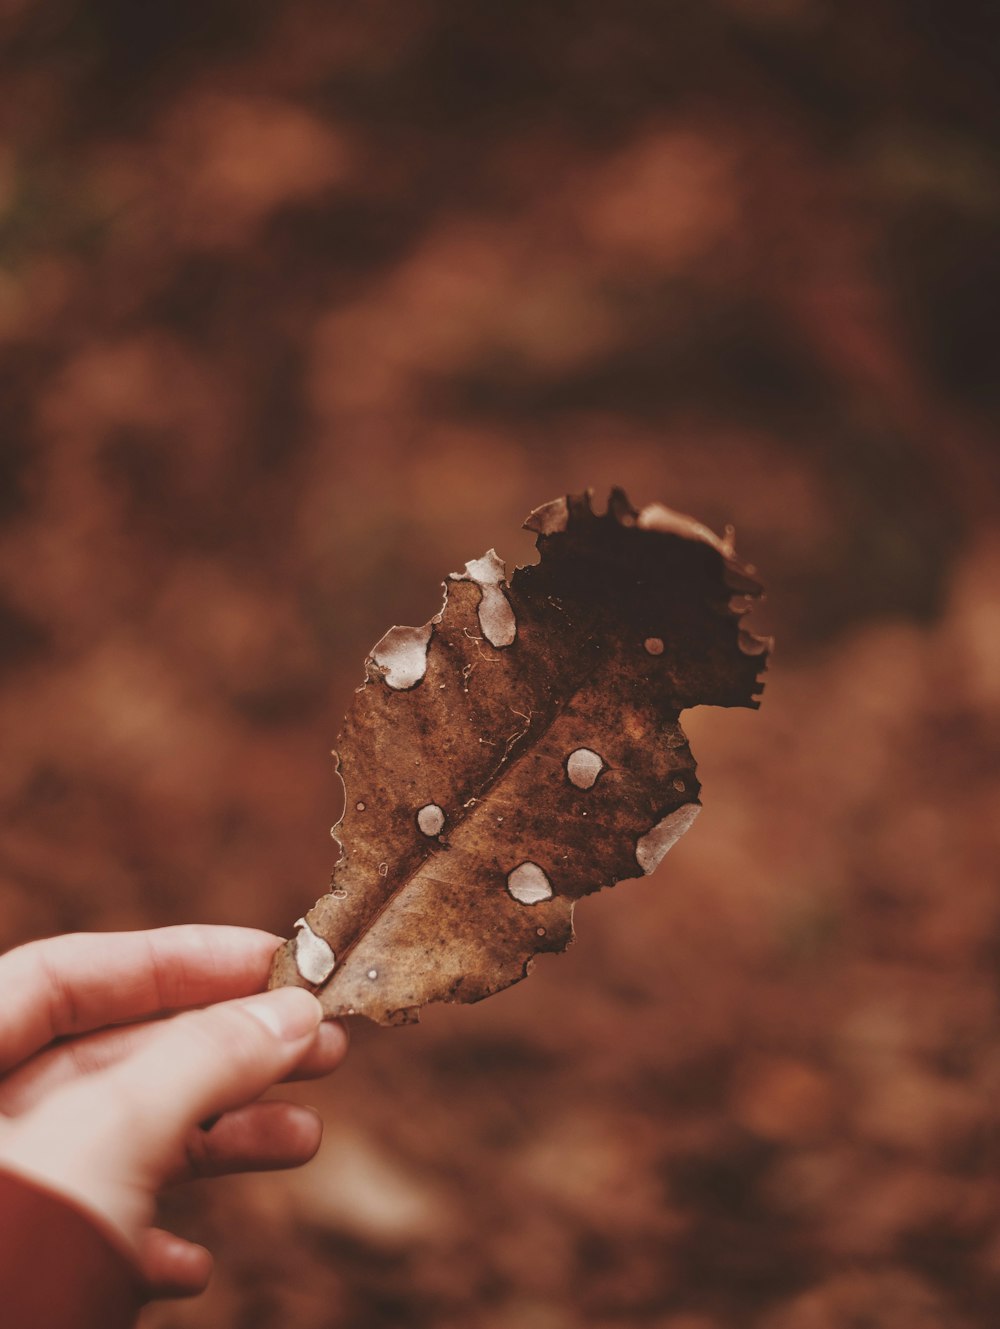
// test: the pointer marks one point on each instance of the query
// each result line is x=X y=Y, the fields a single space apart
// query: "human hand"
x=101 y=1099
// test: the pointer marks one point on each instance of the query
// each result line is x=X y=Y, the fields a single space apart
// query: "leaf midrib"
x=503 y=768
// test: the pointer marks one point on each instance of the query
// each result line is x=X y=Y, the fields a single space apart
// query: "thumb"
x=110 y=1141
x=209 y=1061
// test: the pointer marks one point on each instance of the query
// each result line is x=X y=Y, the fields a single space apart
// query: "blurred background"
x=304 y=304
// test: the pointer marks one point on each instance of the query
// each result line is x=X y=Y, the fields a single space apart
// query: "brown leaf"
x=522 y=750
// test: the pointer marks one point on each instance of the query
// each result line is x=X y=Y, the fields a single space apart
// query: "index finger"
x=86 y=980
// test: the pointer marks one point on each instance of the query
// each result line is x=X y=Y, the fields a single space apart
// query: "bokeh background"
x=302 y=305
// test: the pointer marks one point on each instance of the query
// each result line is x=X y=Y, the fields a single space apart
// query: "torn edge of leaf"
x=553 y=518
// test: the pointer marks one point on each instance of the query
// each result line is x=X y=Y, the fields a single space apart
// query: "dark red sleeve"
x=58 y=1269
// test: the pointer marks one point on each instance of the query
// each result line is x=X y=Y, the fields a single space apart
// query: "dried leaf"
x=520 y=751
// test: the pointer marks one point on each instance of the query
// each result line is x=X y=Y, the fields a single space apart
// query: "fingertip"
x=193 y=1266
x=304 y=1133
x=333 y=1040
x=324 y=1054
x=173 y=1267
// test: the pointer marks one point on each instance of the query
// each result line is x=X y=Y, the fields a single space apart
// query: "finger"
x=171 y=1266
x=259 y=1138
x=82 y=981
x=59 y=1065
x=326 y=1053
x=204 y=1063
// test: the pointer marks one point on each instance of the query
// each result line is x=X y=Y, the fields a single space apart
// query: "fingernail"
x=291 y=1013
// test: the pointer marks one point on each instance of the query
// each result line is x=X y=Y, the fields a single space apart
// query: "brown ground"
x=302 y=306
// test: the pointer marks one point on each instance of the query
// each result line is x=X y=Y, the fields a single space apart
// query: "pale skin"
x=105 y=1101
